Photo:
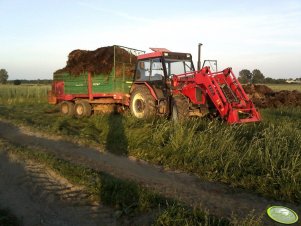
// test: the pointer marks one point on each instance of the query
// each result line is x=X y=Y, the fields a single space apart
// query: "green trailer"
x=98 y=83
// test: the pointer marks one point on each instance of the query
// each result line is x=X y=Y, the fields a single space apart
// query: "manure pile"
x=99 y=61
x=264 y=97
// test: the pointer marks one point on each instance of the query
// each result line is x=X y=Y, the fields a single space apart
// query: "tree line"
x=246 y=76
x=32 y=81
x=4 y=80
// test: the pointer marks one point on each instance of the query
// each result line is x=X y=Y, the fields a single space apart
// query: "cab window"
x=156 y=70
x=143 y=70
x=176 y=67
x=149 y=70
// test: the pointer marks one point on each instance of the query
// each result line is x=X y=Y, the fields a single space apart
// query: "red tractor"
x=166 y=83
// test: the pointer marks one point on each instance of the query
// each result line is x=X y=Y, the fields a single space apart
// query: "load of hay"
x=99 y=61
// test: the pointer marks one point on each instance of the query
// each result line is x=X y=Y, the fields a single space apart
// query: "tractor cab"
x=151 y=89
x=161 y=65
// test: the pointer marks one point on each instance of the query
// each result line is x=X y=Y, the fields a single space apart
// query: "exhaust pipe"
x=199 y=56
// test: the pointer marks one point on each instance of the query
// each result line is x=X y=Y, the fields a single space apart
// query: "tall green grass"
x=12 y=94
x=264 y=157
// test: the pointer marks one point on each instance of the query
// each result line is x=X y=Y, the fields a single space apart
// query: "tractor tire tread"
x=181 y=103
x=150 y=106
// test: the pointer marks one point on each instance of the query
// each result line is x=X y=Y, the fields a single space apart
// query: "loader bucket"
x=243 y=116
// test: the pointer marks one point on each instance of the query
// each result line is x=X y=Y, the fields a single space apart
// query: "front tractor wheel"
x=67 y=108
x=82 y=109
x=142 y=103
x=180 y=108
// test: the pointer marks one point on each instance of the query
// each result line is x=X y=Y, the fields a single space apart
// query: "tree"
x=17 y=82
x=3 y=76
x=245 y=76
x=258 y=77
x=269 y=80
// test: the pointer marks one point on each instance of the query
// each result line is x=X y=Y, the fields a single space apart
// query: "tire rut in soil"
x=41 y=197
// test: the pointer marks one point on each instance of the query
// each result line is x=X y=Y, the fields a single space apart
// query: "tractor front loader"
x=166 y=83
x=221 y=89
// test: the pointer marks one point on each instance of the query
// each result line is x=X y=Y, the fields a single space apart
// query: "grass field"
x=279 y=87
x=264 y=157
x=11 y=94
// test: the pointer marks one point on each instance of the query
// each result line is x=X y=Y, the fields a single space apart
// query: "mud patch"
x=264 y=97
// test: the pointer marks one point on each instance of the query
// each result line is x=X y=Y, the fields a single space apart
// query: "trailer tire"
x=180 y=108
x=67 y=108
x=82 y=109
x=142 y=104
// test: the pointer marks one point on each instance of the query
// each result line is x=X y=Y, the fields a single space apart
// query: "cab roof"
x=159 y=52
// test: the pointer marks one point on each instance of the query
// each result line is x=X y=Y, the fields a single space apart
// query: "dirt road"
x=219 y=199
x=38 y=196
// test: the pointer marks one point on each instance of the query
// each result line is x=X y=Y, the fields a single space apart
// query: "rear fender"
x=151 y=90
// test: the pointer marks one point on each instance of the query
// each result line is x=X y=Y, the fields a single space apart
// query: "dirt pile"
x=264 y=97
x=99 y=61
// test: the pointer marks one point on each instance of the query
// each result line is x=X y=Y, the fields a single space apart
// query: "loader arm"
x=225 y=92
x=240 y=108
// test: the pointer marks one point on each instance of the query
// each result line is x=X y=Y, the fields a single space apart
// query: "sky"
x=36 y=36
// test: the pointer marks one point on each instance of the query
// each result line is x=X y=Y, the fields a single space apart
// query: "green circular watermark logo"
x=282 y=214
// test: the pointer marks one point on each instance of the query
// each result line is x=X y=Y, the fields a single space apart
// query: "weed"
x=176 y=215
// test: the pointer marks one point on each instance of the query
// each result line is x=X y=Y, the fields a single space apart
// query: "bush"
x=17 y=82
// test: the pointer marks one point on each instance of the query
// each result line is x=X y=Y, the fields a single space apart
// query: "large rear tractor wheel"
x=82 y=109
x=67 y=108
x=180 y=108
x=142 y=103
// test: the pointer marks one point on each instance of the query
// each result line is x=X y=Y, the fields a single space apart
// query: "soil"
x=264 y=97
x=221 y=200
x=38 y=196
x=99 y=61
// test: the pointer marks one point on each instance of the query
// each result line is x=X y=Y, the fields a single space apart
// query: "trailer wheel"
x=180 y=108
x=67 y=108
x=142 y=103
x=82 y=109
